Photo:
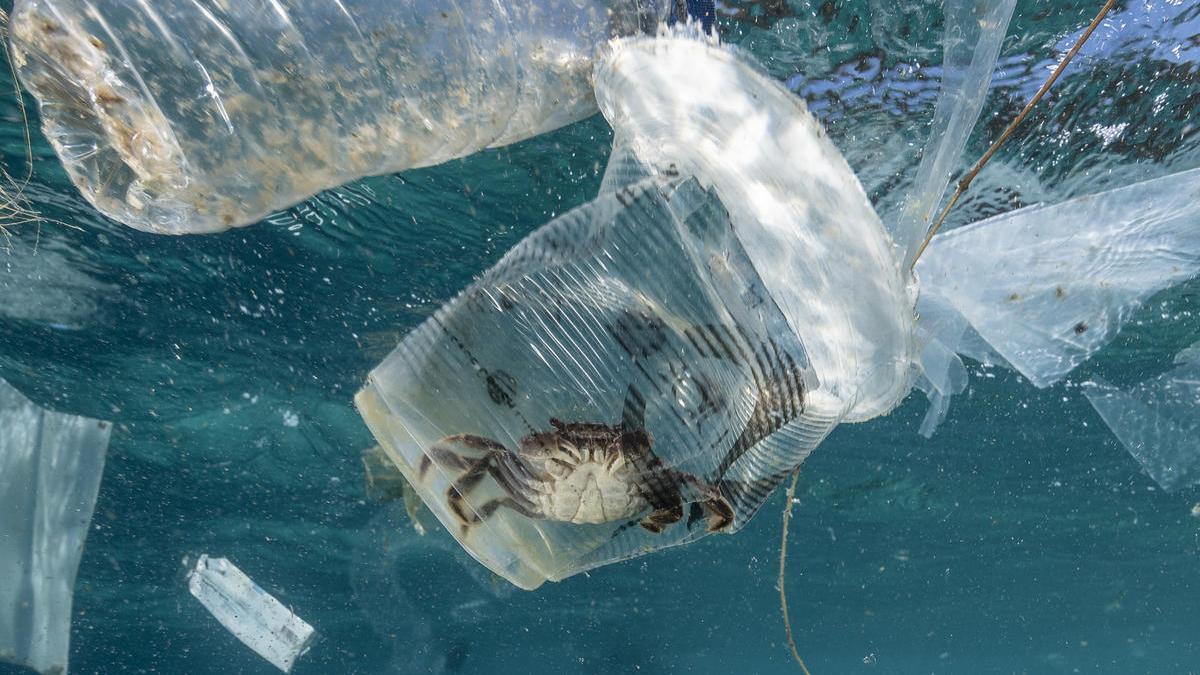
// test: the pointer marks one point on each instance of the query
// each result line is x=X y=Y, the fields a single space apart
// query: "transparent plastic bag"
x=50 y=469
x=611 y=344
x=689 y=107
x=180 y=116
x=645 y=369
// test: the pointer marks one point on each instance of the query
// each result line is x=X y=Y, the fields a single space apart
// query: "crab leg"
x=516 y=477
x=445 y=456
x=456 y=493
x=658 y=521
x=489 y=508
x=717 y=507
x=720 y=513
x=509 y=472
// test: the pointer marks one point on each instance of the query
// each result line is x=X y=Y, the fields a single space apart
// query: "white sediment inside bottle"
x=181 y=117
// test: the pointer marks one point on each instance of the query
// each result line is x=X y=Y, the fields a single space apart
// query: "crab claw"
x=719 y=510
x=659 y=520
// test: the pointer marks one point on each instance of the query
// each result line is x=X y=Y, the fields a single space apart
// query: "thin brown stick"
x=965 y=181
x=787 y=517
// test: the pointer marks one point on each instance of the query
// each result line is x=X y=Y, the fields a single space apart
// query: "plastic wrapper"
x=1158 y=420
x=180 y=116
x=645 y=369
x=50 y=469
x=251 y=614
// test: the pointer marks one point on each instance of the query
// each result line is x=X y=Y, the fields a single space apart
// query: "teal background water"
x=1021 y=538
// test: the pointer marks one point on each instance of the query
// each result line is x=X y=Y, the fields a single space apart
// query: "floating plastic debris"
x=645 y=369
x=50 y=469
x=1046 y=287
x=254 y=616
x=180 y=117
x=1158 y=420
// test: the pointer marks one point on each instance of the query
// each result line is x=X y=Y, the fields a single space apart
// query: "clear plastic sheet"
x=1048 y=286
x=251 y=614
x=645 y=369
x=1158 y=420
x=50 y=469
x=179 y=116
x=974 y=34
x=941 y=331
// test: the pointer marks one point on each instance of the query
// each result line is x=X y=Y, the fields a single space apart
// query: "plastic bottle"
x=183 y=116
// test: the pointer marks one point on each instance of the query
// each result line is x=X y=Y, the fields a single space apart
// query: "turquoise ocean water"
x=1021 y=538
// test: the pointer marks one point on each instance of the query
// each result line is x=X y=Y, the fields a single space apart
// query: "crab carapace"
x=577 y=472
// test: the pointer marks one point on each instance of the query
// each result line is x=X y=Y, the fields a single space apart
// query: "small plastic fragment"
x=254 y=616
x=1158 y=420
x=940 y=332
x=50 y=468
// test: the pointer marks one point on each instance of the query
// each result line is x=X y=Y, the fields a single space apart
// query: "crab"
x=576 y=473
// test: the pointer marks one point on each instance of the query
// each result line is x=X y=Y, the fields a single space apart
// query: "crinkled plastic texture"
x=50 y=469
x=251 y=614
x=974 y=33
x=686 y=105
x=1048 y=286
x=640 y=311
x=1158 y=420
x=710 y=316
x=180 y=116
